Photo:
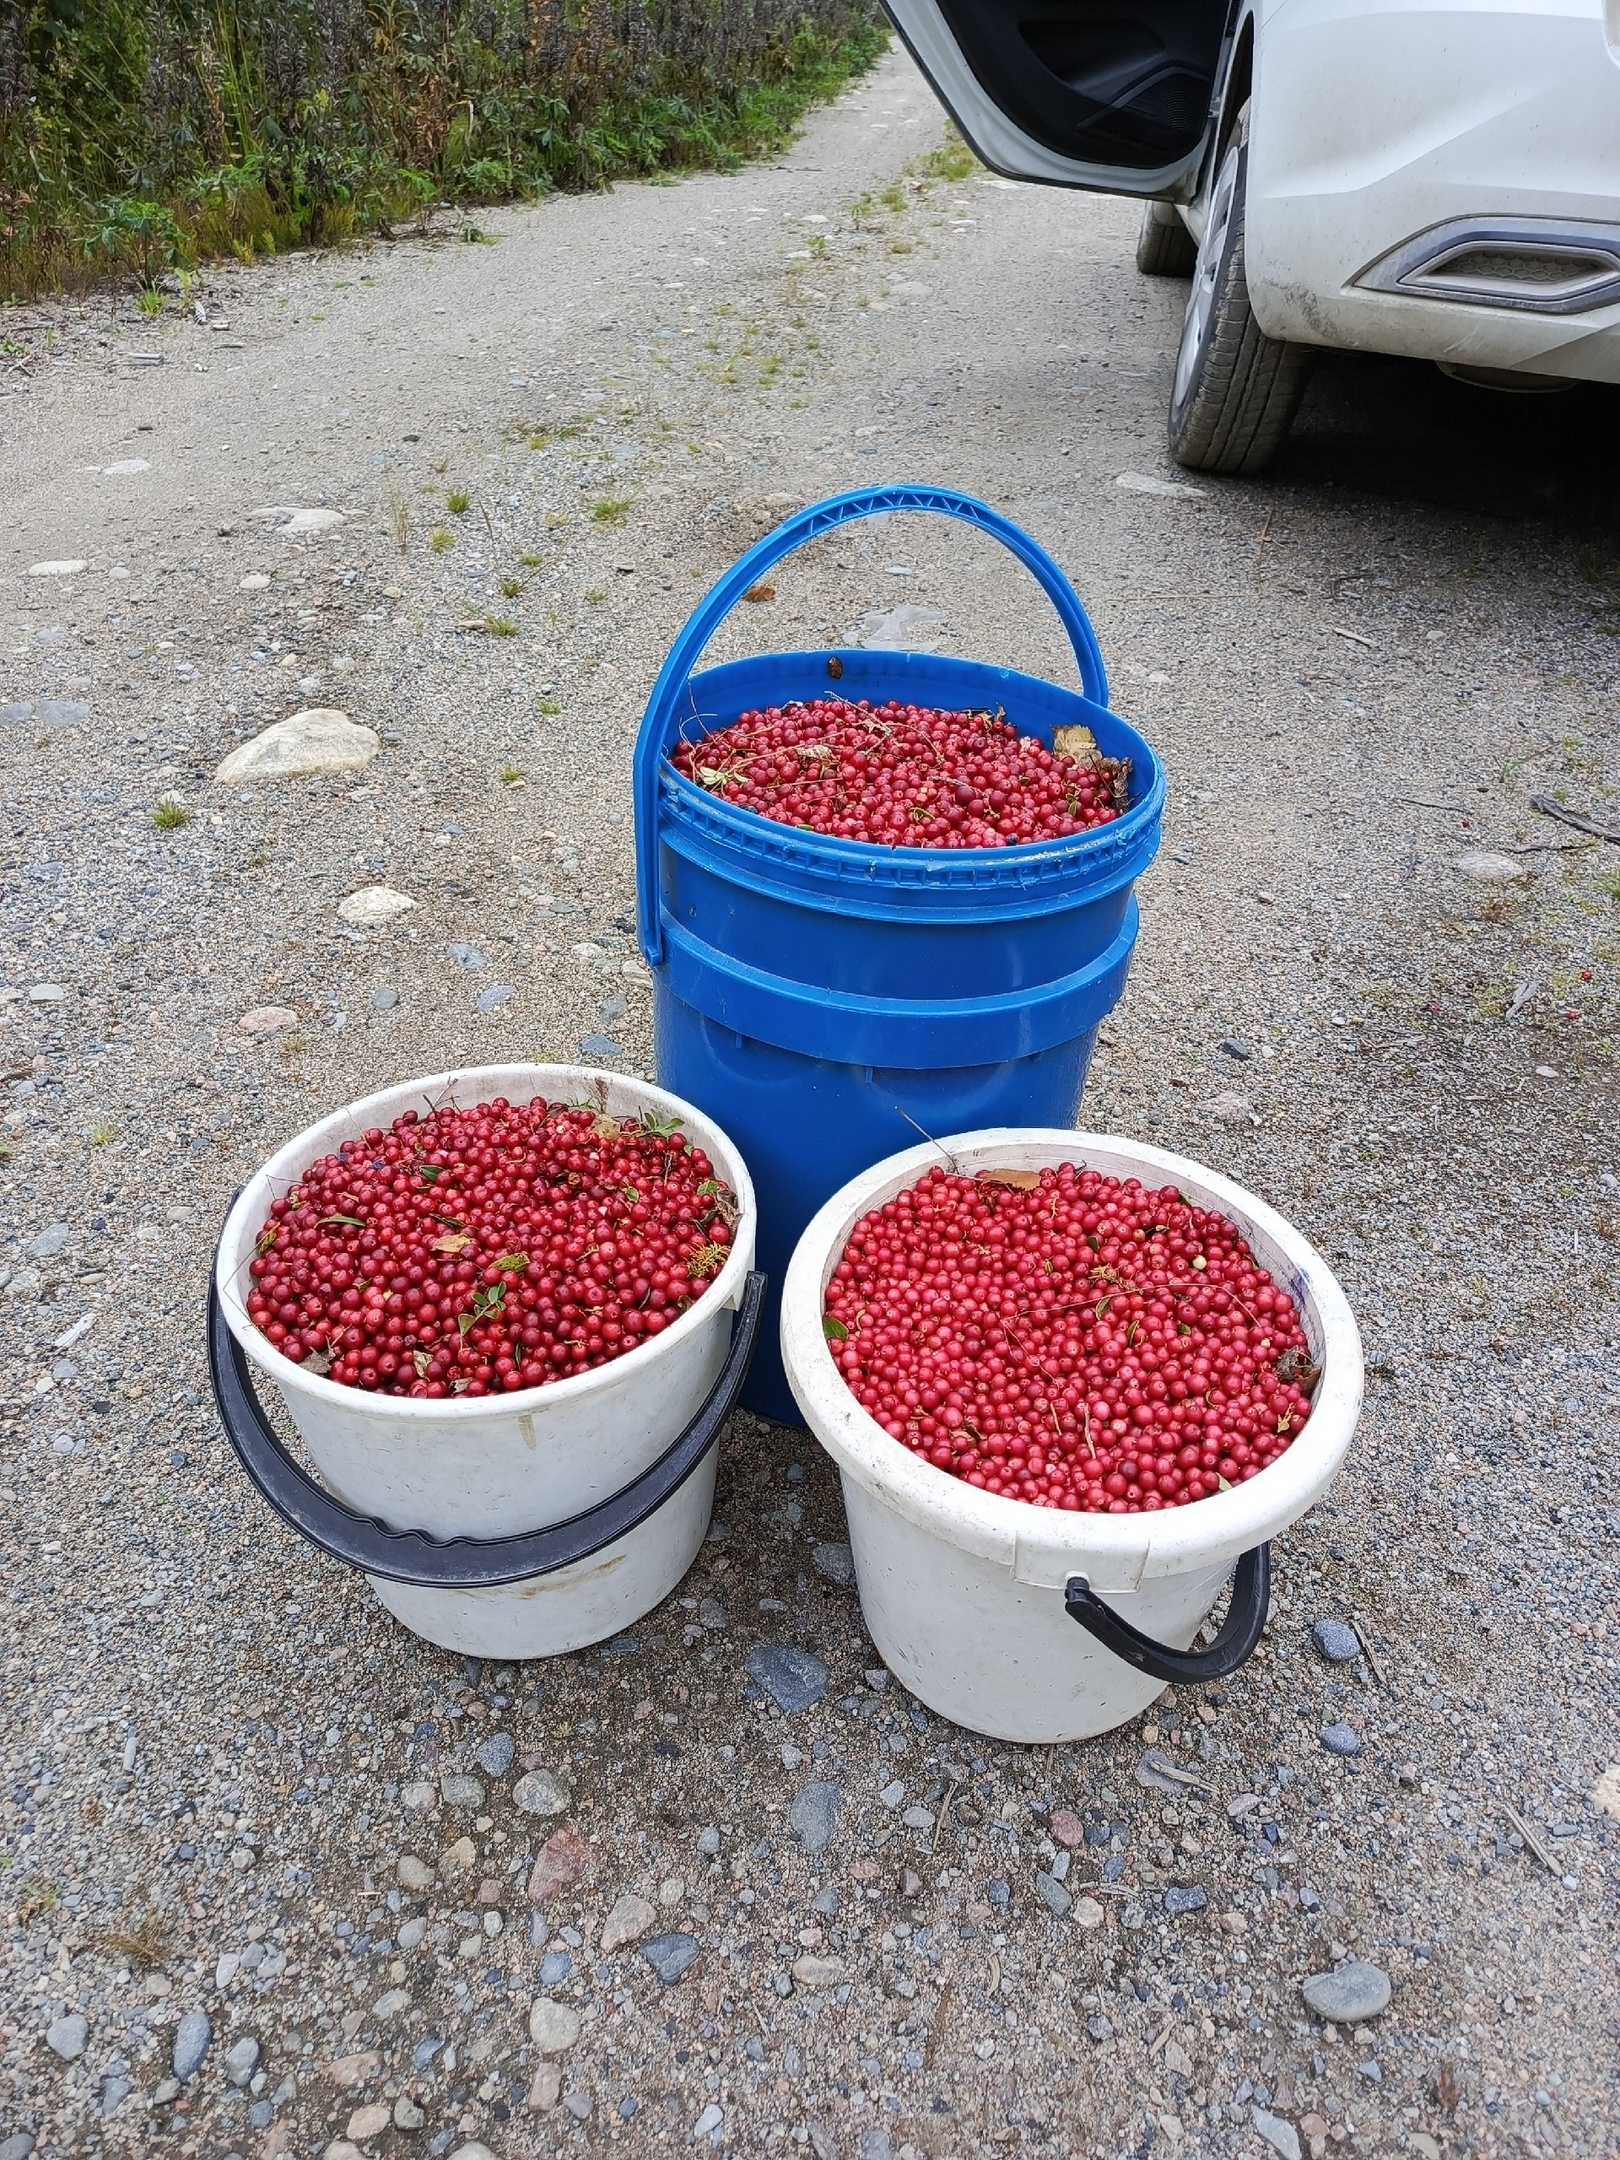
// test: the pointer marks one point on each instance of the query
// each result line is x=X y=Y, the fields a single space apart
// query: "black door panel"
x=1093 y=80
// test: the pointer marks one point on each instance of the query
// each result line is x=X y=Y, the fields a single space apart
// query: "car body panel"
x=1371 y=124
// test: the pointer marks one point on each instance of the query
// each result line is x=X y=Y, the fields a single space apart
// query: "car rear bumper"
x=1377 y=138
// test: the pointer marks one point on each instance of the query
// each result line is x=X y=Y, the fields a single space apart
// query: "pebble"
x=495 y=1754
x=407 y=2115
x=65 y=566
x=16 y=2148
x=1229 y=1108
x=351 y=2070
x=392 y=2003
x=1351 y=1995
x=710 y=2121
x=814 y=1814
x=793 y=1678
x=193 y=2037
x=545 y=2088
x=629 y=1920
x=553 y=2026
x=1190 y=1899
x=818 y=1972
x=1153 y=1771
x=293 y=522
x=836 y=1562
x=411 y=1933
x=419 y=1796
x=1087 y=1913
x=1486 y=868
x=50 y=1242
x=555 y=1967
x=318 y=740
x=1281 y=2136
x=255 y=581
x=461 y=1791
x=670 y=1956
x=241 y=2060
x=374 y=905
x=709 y=1841
x=1053 y=1895
x=68 y=2037
x=267 y=1020
x=384 y=998
x=538 y=1792
x=1341 y=1739
x=497 y=995
x=1236 y=1049
x=1336 y=1641
x=1066 y=1827
x=458 y=1859
x=466 y=956
x=600 y=1046
x=414 y=1874
x=561 y=1862
x=367 y=2122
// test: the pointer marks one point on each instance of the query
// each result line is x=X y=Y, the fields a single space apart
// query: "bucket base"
x=805 y=1126
x=549 y=1615
x=998 y=1656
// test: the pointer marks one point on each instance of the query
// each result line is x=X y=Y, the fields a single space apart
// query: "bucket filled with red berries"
x=1067 y=1378
x=506 y=1312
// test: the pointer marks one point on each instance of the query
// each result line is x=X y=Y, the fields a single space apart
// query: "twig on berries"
x=951 y=1162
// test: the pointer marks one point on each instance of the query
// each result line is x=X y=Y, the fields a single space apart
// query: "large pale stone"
x=318 y=740
x=553 y=2026
x=629 y=1920
x=294 y=522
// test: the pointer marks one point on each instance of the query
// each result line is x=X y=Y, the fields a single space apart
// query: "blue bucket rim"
x=1136 y=813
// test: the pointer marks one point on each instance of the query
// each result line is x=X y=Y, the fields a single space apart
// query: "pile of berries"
x=474 y=1251
x=907 y=775
x=1069 y=1339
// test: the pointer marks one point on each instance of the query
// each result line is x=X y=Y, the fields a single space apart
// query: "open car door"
x=1115 y=95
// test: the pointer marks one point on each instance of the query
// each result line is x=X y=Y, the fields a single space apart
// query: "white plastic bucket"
x=496 y=1467
x=963 y=1590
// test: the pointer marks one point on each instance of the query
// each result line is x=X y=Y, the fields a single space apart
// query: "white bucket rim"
x=484 y=1082
x=1045 y=1546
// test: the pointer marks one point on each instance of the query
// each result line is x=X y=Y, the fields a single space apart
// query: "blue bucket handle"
x=712 y=610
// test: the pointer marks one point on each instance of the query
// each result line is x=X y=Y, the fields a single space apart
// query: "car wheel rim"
x=1206 y=272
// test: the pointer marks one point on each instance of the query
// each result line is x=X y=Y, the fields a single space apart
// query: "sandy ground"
x=217 y=1750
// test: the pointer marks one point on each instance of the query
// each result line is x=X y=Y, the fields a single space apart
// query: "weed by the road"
x=36 y=1899
x=458 y=502
x=441 y=538
x=530 y=562
x=611 y=510
x=953 y=160
x=500 y=626
x=142 y=1940
x=399 y=517
x=170 y=816
x=511 y=775
x=103 y=1133
x=511 y=587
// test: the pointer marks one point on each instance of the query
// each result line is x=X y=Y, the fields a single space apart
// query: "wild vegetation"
x=137 y=136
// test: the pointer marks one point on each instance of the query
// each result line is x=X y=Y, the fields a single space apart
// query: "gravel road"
x=267 y=1885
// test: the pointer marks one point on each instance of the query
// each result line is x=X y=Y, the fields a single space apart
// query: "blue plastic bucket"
x=827 y=1001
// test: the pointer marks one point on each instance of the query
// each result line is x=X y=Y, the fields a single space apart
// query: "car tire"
x=1236 y=391
x=1164 y=246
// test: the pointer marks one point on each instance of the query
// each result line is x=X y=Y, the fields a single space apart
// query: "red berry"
x=481 y=1251
x=1072 y=1340
x=904 y=775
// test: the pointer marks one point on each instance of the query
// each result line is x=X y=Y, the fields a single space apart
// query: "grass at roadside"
x=138 y=139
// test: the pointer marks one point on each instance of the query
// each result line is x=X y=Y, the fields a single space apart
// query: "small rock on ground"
x=670 y=1956
x=1350 y=1995
x=814 y=1815
x=793 y=1678
x=319 y=740
x=1336 y=1641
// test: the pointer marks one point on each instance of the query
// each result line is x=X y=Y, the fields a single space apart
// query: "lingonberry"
x=908 y=775
x=1068 y=1339
x=479 y=1251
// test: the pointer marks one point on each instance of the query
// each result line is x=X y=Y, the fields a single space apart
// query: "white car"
x=1439 y=178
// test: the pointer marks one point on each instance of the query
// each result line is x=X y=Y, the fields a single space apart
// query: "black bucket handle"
x=413 y=1556
x=1239 y=1631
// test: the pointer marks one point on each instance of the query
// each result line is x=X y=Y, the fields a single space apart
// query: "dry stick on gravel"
x=1548 y=808
x=1532 y=1839
x=1365 y=1640
x=937 y=2027
x=1422 y=802
x=1260 y=551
